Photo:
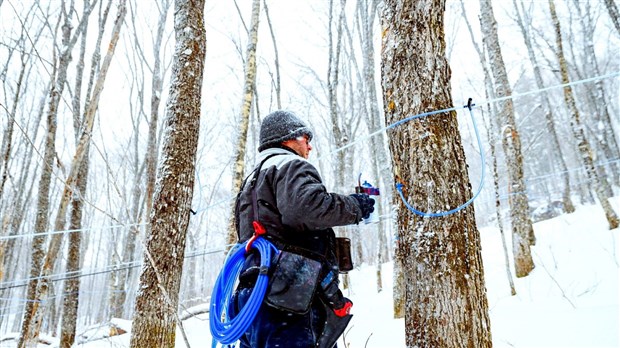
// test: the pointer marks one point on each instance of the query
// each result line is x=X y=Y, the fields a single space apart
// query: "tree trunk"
x=492 y=131
x=577 y=127
x=246 y=107
x=446 y=299
x=603 y=129
x=522 y=230
x=276 y=57
x=122 y=284
x=381 y=164
x=71 y=287
x=6 y=247
x=524 y=23
x=70 y=182
x=339 y=131
x=399 y=291
x=156 y=89
x=157 y=300
x=614 y=14
x=42 y=217
x=25 y=186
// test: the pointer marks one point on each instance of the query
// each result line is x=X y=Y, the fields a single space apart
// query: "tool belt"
x=293 y=279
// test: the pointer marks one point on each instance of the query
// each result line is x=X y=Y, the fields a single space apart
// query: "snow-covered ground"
x=569 y=300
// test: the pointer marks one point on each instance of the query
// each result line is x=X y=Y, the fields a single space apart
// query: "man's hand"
x=367 y=205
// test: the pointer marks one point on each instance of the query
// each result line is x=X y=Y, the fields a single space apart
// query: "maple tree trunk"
x=157 y=300
x=444 y=278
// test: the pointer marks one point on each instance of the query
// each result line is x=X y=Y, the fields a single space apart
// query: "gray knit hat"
x=280 y=126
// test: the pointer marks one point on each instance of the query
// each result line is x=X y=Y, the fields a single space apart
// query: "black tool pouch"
x=293 y=283
x=343 y=254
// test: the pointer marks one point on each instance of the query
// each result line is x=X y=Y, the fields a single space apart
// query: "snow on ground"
x=569 y=300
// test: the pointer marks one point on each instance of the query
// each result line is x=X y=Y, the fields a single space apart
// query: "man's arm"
x=303 y=199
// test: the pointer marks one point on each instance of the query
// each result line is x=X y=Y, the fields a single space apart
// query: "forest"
x=128 y=127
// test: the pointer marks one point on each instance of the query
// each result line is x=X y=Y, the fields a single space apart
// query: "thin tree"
x=381 y=168
x=276 y=58
x=59 y=76
x=244 y=121
x=577 y=127
x=492 y=132
x=71 y=287
x=614 y=14
x=444 y=277
x=7 y=152
x=522 y=230
x=157 y=301
x=604 y=131
x=81 y=150
x=339 y=129
x=156 y=89
x=524 y=22
x=118 y=300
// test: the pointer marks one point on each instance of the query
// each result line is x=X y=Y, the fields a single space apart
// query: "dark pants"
x=273 y=328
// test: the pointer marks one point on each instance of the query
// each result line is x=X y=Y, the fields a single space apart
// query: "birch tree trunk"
x=71 y=287
x=25 y=185
x=157 y=299
x=339 y=131
x=59 y=76
x=8 y=203
x=156 y=89
x=524 y=22
x=577 y=127
x=381 y=167
x=276 y=57
x=522 y=230
x=340 y=128
x=614 y=14
x=70 y=183
x=446 y=298
x=246 y=107
x=603 y=128
x=492 y=131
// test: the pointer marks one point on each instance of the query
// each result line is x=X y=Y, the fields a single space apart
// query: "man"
x=297 y=212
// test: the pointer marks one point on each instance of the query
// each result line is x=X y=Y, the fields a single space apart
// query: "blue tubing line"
x=224 y=329
x=399 y=186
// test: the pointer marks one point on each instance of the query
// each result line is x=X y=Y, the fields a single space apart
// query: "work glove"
x=367 y=205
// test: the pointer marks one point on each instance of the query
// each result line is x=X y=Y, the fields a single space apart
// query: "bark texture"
x=603 y=131
x=81 y=151
x=492 y=132
x=522 y=230
x=614 y=14
x=157 y=299
x=381 y=164
x=444 y=278
x=577 y=127
x=524 y=22
x=43 y=201
x=244 y=121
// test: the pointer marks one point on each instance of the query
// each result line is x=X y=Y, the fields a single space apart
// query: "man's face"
x=301 y=145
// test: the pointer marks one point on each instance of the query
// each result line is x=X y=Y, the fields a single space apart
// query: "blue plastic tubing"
x=224 y=329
